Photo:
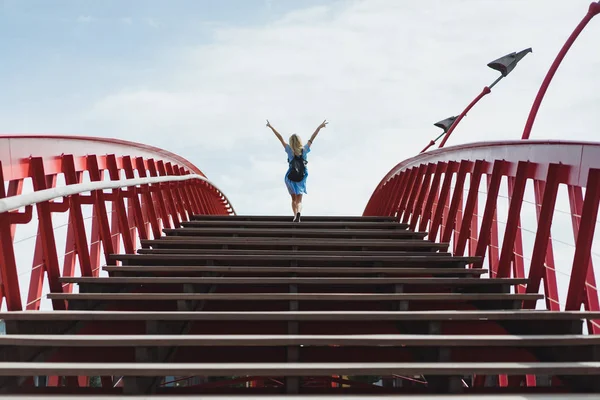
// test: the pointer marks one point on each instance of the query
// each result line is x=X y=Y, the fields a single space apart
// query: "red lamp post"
x=593 y=10
x=445 y=125
x=504 y=65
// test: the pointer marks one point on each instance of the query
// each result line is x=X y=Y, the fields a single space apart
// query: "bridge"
x=152 y=284
x=126 y=272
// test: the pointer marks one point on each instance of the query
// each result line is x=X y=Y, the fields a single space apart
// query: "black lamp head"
x=446 y=123
x=506 y=64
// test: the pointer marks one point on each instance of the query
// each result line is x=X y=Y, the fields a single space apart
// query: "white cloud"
x=381 y=71
x=127 y=20
x=84 y=19
x=152 y=22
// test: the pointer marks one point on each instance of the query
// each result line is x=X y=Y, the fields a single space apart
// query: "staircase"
x=261 y=305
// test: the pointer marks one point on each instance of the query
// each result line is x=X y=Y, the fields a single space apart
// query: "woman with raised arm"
x=296 y=175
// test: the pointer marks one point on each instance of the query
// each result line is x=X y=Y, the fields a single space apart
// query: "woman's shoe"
x=297 y=219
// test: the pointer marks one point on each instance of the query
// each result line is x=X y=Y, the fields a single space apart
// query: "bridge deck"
x=259 y=305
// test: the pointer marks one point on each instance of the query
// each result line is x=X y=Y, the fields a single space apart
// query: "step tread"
x=269 y=340
x=524 y=396
x=294 y=225
x=252 y=269
x=443 y=315
x=299 y=256
x=286 y=218
x=185 y=240
x=254 y=252
x=298 y=296
x=294 y=280
x=294 y=369
x=294 y=231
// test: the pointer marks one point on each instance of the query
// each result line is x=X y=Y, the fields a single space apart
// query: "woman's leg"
x=294 y=204
x=298 y=203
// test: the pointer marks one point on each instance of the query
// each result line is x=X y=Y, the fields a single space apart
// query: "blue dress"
x=296 y=187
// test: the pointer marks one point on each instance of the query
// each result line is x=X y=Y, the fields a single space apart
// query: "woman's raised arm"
x=314 y=135
x=276 y=134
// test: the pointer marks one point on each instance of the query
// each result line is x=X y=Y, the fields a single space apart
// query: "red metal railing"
x=534 y=193
x=91 y=223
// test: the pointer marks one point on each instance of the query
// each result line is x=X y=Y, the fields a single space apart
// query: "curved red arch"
x=581 y=156
x=15 y=149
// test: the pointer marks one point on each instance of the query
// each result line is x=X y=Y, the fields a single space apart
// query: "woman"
x=296 y=152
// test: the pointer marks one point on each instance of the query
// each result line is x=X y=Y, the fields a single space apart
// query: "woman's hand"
x=269 y=124
x=323 y=124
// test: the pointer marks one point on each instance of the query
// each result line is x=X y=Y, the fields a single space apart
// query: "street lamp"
x=593 y=10
x=504 y=65
x=445 y=125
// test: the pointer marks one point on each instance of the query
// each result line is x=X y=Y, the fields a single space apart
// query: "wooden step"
x=298 y=243
x=299 y=259
x=191 y=270
x=330 y=396
x=294 y=225
x=281 y=232
x=346 y=297
x=285 y=218
x=107 y=340
x=248 y=280
x=295 y=369
x=328 y=253
x=444 y=315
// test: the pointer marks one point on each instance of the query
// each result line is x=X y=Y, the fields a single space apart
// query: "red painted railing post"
x=416 y=187
x=160 y=195
x=550 y=283
x=100 y=212
x=498 y=170
x=537 y=270
x=458 y=220
x=76 y=217
x=517 y=257
x=197 y=191
x=119 y=203
x=450 y=220
x=133 y=196
x=48 y=243
x=583 y=244
x=15 y=188
x=8 y=266
x=470 y=207
x=423 y=190
x=378 y=209
x=473 y=236
x=150 y=203
x=388 y=196
x=512 y=221
x=493 y=244
x=188 y=200
x=433 y=194
x=410 y=182
x=209 y=195
x=206 y=209
x=591 y=292
x=176 y=193
x=436 y=221
x=189 y=189
x=402 y=185
x=171 y=196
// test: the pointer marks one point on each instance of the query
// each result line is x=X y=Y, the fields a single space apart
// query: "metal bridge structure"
x=125 y=272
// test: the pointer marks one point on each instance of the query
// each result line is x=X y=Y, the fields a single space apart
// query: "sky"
x=200 y=77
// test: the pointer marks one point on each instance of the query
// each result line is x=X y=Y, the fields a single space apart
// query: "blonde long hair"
x=296 y=144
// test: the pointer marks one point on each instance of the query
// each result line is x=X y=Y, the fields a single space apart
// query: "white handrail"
x=16 y=202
